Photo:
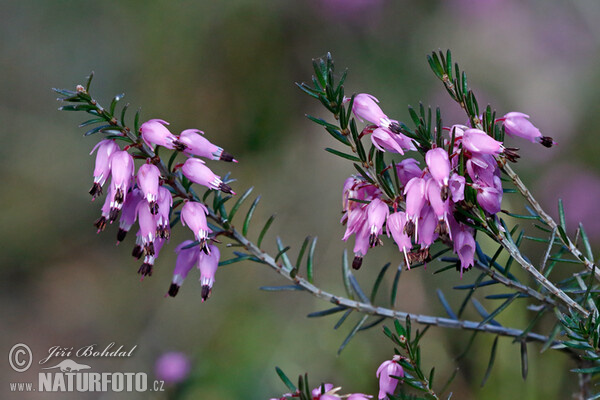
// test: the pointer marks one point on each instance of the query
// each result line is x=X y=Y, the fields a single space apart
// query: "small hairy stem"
x=589 y=265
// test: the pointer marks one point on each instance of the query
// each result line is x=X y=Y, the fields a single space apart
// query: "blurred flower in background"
x=172 y=367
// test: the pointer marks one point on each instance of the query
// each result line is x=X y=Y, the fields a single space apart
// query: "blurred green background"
x=229 y=69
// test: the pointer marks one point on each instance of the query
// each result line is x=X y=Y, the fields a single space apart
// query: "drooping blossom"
x=387 y=384
x=147 y=222
x=195 y=170
x=165 y=202
x=517 y=124
x=154 y=132
x=408 y=169
x=361 y=246
x=122 y=169
x=457 y=187
x=479 y=142
x=377 y=212
x=439 y=165
x=365 y=108
x=415 y=200
x=464 y=245
x=207 y=264
x=148 y=179
x=395 y=226
x=100 y=223
x=187 y=258
x=198 y=145
x=489 y=197
x=384 y=140
x=172 y=367
x=102 y=167
x=148 y=265
x=128 y=214
x=193 y=215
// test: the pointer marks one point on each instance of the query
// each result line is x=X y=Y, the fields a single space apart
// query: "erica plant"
x=432 y=188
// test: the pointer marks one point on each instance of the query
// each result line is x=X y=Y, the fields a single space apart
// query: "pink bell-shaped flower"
x=395 y=227
x=195 y=170
x=408 y=169
x=489 y=198
x=148 y=179
x=193 y=215
x=102 y=168
x=385 y=140
x=464 y=246
x=147 y=222
x=122 y=169
x=207 y=264
x=148 y=265
x=365 y=108
x=165 y=202
x=361 y=246
x=377 y=213
x=457 y=187
x=439 y=165
x=187 y=258
x=517 y=124
x=385 y=373
x=198 y=145
x=479 y=142
x=154 y=132
x=415 y=200
x=129 y=215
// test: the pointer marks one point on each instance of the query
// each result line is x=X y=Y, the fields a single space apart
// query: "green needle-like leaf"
x=491 y=362
x=343 y=155
x=310 y=261
x=292 y=388
x=264 y=230
x=239 y=203
x=352 y=333
x=378 y=281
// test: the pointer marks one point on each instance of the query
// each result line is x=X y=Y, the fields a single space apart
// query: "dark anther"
x=205 y=293
x=444 y=193
x=96 y=190
x=357 y=262
x=409 y=228
x=511 y=154
x=145 y=270
x=119 y=196
x=113 y=214
x=179 y=146
x=121 y=235
x=226 y=157
x=154 y=208
x=547 y=141
x=100 y=223
x=225 y=188
x=173 y=290
x=138 y=251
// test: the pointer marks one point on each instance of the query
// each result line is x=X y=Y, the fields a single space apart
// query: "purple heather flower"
x=148 y=265
x=195 y=170
x=122 y=169
x=147 y=222
x=154 y=132
x=148 y=179
x=385 y=140
x=464 y=246
x=207 y=264
x=479 y=142
x=365 y=108
x=427 y=227
x=198 y=145
x=441 y=207
x=387 y=384
x=193 y=215
x=395 y=227
x=483 y=167
x=361 y=246
x=100 y=223
x=517 y=124
x=439 y=165
x=186 y=260
x=356 y=218
x=489 y=197
x=457 y=187
x=415 y=200
x=165 y=201
x=316 y=392
x=408 y=169
x=377 y=213
x=102 y=168
x=129 y=215
x=172 y=367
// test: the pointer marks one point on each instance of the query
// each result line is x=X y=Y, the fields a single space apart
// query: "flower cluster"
x=427 y=209
x=144 y=198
